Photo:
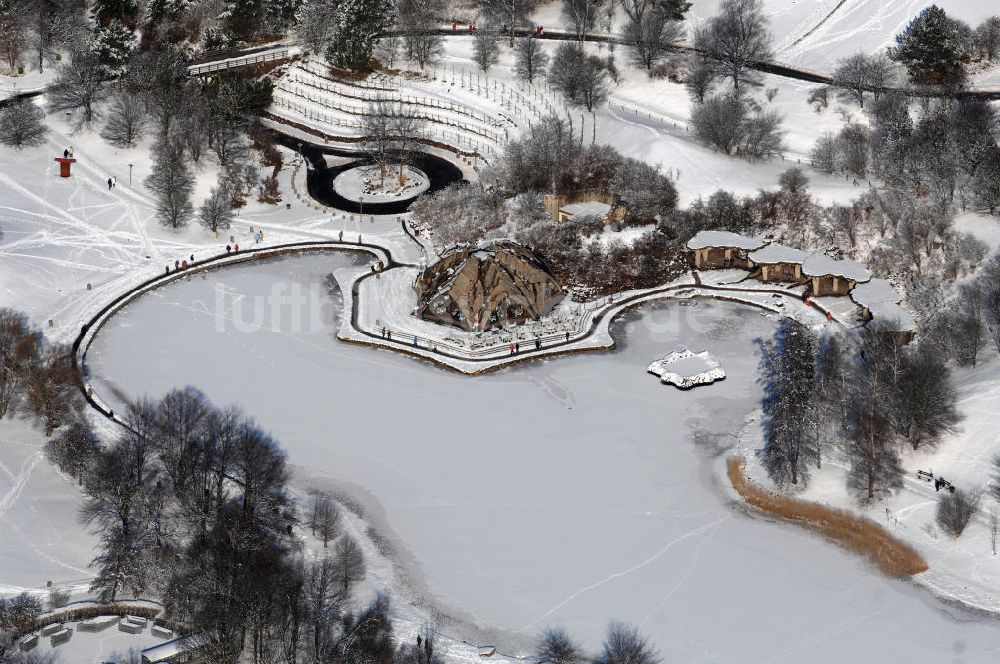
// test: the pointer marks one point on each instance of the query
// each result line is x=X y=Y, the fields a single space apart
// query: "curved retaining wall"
x=89 y=330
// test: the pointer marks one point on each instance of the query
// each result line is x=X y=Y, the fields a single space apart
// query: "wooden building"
x=879 y=300
x=828 y=276
x=721 y=249
x=778 y=263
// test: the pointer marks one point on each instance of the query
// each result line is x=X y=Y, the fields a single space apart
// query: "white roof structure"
x=165 y=651
x=586 y=209
x=778 y=253
x=818 y=265
x=882 y=300
x=893 y=315
x=706 y=239
x=875 y=292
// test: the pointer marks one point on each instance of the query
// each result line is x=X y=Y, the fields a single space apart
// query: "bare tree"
x=20 y=345
x=624 y=645
x=581 y=16
x=378 y=128
x=350 y=563
x=324 y=518
x=126 y=119
x=172 y=183
x=581 y=78
x=650 y=35
x=555 y=646
x=955 y=510
x=216 y=212
x=486 y=48
x=530 y=60
x=79 y=86
x=699 y=80
x=737 y=39
x=22 y=124
x=316 y=25
x=51 y=388
x=418 y=19
x=74 y=449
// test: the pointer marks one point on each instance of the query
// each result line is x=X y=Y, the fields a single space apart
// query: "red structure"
x=64 y=166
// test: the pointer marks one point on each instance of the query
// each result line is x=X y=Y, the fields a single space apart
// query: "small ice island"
x=686 y=369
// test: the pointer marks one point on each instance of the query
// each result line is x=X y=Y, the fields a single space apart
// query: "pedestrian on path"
x=184 y=265
x=512 y=349
x=66 y=153
x=538 y=343
x=340 y=238
x=114 y=180
x=110 y=184
x=71 y=152
x=567 y=335
x=177 y=265
x=236 y=247
x=517 y=347
x=228 y=249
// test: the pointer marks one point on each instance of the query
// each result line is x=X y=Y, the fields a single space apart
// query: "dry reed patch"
x=855 y=533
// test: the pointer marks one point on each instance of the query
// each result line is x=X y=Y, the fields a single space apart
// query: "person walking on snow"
x=66 y=153
x=114 y=180
x=109 y=184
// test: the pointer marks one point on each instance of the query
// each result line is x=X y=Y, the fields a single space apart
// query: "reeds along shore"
x=855 y=533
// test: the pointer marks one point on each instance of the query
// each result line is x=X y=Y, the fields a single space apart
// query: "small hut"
x=879 y=300
x=486 y=287
x=778 y=263
x=607 y=213
x=829 y=276
x=719 y=249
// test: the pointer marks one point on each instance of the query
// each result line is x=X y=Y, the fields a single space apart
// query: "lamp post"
x=130 y=176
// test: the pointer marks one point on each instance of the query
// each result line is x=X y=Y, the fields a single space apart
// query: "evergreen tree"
x=358 y=24
x=113 y=45
x=106 y=11
x=787 y=374
x=933 y=47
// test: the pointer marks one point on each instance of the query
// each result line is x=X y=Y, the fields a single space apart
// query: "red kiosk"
x=64 y=166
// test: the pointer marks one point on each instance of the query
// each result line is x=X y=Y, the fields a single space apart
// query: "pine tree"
x=787 y=374
x=358 y=26
x=932 y=47
x=113 y=45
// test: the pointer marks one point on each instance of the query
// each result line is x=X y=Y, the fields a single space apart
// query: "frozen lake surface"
x=570 y=492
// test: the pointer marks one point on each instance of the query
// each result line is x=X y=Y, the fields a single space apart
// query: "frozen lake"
x=570 y=492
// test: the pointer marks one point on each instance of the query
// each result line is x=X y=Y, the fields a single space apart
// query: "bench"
x=49 y=630
x=98 y=624
x=138 y=620
x=161 y=631
x=28 y=642
x=62 y=636
x=125 y=625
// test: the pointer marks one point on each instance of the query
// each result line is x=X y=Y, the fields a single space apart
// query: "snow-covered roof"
x=165 y=651
x=893 y=315
x=705 y=239
x=586 y=209
x=876 y=291
x=778 y=253
x=818 y=265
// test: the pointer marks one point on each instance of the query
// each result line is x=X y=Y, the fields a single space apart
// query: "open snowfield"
x=570 y=492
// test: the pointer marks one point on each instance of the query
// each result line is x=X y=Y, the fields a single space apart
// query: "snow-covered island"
x=685 y=369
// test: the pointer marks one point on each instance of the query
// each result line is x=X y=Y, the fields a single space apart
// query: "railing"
x=244 y=61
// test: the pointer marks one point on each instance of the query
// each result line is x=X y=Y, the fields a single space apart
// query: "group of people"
x=181 y=264
x=112 y=182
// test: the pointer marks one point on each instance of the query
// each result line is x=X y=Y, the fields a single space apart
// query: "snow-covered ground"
x=816 y=33
x=583 y=473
